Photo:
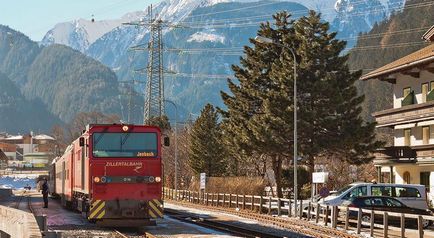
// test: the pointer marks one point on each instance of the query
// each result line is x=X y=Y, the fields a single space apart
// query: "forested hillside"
x=53 y=80
x=18 y=114
x=386 y=42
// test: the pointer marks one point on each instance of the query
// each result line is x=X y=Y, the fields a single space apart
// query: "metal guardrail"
x=319 y=213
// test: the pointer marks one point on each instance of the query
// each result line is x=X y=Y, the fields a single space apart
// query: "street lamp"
x=176 y=143
x=266 y=40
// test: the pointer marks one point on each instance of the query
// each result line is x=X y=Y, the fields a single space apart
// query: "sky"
x=34 y=18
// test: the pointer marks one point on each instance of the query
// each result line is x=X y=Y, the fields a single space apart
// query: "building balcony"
x=422 y=154
x=410 y=113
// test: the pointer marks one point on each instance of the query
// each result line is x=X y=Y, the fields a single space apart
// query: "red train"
x=112 y=174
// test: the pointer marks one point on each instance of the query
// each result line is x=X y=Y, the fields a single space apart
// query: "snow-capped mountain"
x=355 y=16
x=81 y=33
x=211 y=24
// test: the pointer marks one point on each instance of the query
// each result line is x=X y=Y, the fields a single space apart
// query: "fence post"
x=253 y=203
x=236 y=200
x=244 y=201
x=260 y=204
x=326 y=217
x=290 y=208
x=207 y=198
x=301 y=209
x=372 y=223
x=279 y=207
x=224 y=199
x=334 y=216
x=402 y=225
x=420 y=226
x=317 y=213
x=269 y=205
x=385 y=225
x=347 y=214
x=359 y=221
x=218 y=199
x=230 y=200
x=309 y=208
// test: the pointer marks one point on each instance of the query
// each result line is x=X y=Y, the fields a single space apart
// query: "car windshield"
x=125 y=145
x=342 y=190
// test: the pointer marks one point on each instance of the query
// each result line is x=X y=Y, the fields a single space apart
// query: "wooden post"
x=279 y=207
x=359 y=221
x=218 y=199
x=317 y=213
x=269 y=205
x=290 y=208
x=260 y=204
x=347 y=214
x=334 y=216
x=326 y=217
x=236 y=201
x=371 y=232
x=253 y=203
x=244 y=201
x=224 y=199
x=420 y=226
x=301 y=209
x=385 y=225
x=207 y=198
x=230 y=200
x=309 y=208
x=402 y=225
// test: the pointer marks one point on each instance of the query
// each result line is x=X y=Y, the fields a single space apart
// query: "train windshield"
x=125 y=145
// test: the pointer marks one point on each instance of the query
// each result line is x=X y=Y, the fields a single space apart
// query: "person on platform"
x=45 y=190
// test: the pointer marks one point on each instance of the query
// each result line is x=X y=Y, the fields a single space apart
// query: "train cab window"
x=125 y=145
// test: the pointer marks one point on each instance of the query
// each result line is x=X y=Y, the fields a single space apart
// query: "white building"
x=411 y=159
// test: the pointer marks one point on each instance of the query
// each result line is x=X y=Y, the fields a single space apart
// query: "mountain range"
x=208 y=39
x=46 y=85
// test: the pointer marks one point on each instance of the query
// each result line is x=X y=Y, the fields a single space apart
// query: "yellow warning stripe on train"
x=155 y=208
x=97 y=209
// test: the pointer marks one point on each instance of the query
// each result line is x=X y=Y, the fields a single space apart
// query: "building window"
x=406 y=92
x=424 y=179
x=425 y=90
x=406 y=177
x=425 y=135
x=407 y=136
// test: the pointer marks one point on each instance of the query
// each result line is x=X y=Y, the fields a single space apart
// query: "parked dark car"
x=388 y=204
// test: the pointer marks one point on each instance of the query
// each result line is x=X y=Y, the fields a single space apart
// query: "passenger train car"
x=112 y=174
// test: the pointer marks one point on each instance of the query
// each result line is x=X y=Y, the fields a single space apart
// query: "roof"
x=429 y=35
x=15 y=138
x=43 y=137
x=423 y=56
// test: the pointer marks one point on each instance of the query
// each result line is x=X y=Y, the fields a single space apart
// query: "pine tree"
x=206 y=151
x=259 y=118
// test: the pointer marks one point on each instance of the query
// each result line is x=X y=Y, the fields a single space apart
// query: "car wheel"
x=366 y=218
x=426 y=223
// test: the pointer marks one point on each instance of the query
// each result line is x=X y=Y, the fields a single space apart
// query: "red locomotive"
x=113 y=175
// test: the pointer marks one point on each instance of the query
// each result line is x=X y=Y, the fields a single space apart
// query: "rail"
x=315 y=212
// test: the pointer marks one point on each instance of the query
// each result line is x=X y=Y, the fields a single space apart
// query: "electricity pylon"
x=154 y=91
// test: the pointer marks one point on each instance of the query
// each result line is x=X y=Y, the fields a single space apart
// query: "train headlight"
x=151 y=179
x=125 y=128
x=103 y=179
x=157 y=179
x=96 y=179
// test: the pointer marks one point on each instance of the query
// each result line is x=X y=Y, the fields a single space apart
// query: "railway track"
x=220 y=226
x=24 y=195
x=291 y=224
x=119 y=234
